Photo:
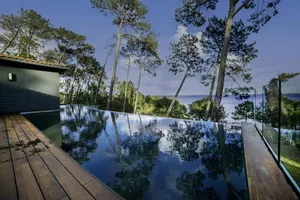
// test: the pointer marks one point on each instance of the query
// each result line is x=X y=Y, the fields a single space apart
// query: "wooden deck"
x=265 y=179
x=33 y=167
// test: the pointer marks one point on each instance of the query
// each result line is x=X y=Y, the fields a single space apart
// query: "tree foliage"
x=145 y=53
x=126 y=13
x=198 y=108
x=185 y=57
x=240 y=53
x=12 y=26
x=36 y=31
x=259 y=13
x=244 y=111
x=67 y=43
x=192 y=11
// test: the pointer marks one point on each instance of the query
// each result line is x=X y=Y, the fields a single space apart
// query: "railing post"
x=254 y=107
x=279 y=121
x=262 y=112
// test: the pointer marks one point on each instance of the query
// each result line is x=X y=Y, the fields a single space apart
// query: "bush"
x=198 y=109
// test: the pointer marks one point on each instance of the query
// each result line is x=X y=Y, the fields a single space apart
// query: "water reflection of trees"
x=191 y=185
x=137 y=156
x=137 y=151
x=81 y=129
x=185 y=139
x=220 y=153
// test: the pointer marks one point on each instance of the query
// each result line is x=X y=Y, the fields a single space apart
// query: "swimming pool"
x=145 y=157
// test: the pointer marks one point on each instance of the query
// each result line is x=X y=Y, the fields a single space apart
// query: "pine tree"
x=185 y=58
x=126 y=13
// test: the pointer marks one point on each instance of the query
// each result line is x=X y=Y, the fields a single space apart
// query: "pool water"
x=145 y=157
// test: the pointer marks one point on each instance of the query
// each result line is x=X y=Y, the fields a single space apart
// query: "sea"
x=229 y=102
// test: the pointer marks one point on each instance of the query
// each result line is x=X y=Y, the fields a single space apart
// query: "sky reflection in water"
x=145 y=157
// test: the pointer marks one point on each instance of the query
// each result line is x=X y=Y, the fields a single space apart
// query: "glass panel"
x=270 y=113
x=290 y=127
x=258 y=112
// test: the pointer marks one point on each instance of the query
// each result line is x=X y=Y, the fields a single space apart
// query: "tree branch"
x=241 y=7
x=130 y=35
x=234 y=80
x=204 y=2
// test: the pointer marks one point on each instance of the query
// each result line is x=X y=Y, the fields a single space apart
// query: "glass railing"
x=277 y=117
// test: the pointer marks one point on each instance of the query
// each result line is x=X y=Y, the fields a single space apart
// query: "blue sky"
x=278 y=42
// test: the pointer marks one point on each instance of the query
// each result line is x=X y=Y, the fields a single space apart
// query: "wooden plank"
x=7 y=179
x=75 y=169
x=98 y=189
x=26 y=182
x=4 y=146
x=64 y=198
x=8 y=188
x=25 y=144
x=265 y=180
x=71 y=186
x=51 y=189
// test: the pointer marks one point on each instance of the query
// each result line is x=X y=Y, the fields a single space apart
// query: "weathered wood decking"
x=265 y=180
x=32 y=167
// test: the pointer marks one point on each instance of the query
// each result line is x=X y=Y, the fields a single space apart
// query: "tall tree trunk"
x=126 y=87
x=3 y=50
x=76 y=92
x=7 y=46
x=20 y=53
x=141 y=126
x=221 y=78
x=137 y=90
x=98 y=86
x=117 y=137
x=177 y=92
x=72 y=85
x=129 y=128
x=60 y=57
x=87 y=89
x=113 y=78
x=222 y=146
x=25 y=47
x=101 y=76
x=64 y=99
x=28 y=52
x=221 y=138
x=66 y=92
x=212 y=87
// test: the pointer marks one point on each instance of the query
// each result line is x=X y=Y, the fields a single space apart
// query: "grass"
x=293 y=168
x=290 y=155
x=290 y=162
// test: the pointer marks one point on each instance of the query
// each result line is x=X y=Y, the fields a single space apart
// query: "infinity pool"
x=145 y=157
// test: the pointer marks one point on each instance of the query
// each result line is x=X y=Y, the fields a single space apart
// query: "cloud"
x=199 y=35
x=181 y=30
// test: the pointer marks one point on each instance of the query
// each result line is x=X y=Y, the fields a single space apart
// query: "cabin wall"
x=31 y=90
